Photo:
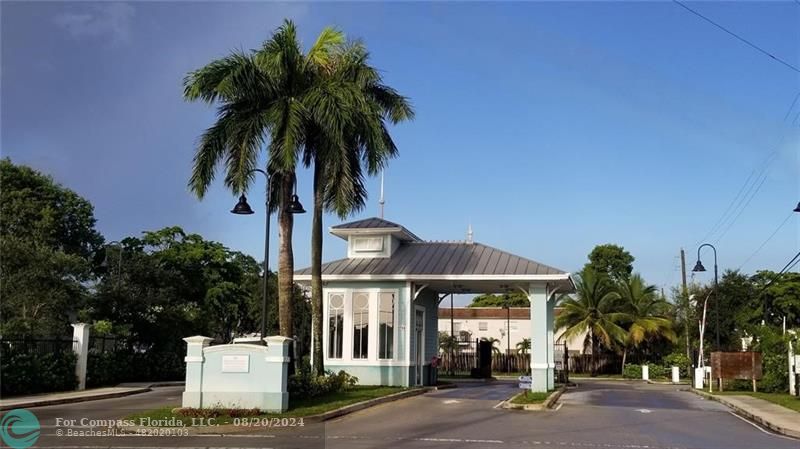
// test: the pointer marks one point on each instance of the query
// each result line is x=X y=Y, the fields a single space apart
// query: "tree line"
x=150 y=290
x=622 y=314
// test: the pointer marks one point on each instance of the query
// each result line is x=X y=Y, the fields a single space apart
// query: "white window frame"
x=385 y=249
x=326 y=321
x=371 y=334
x=347 y=339
x=394 y=324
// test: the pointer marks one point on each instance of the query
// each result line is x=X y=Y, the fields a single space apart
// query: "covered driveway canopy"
x=385 y=258
x=448 y=267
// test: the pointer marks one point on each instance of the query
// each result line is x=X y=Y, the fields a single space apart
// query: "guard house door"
x=419 y=350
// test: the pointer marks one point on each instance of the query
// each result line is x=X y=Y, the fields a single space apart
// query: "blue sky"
x=551 y=127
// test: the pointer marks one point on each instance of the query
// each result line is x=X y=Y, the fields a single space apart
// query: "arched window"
x=360 y=325
x=335 y=325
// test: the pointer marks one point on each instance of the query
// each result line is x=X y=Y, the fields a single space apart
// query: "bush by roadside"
x=31 y=373
x=111 y=368
x=305 y=384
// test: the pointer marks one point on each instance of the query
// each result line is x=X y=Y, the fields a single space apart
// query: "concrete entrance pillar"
x=551 y=363
x=80 y=334
x=540 y=365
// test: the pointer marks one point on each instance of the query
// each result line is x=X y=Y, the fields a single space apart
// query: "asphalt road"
x=597 y=415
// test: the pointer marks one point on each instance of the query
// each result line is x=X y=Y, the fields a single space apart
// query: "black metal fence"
x=37 y=346
x=36 y=365
x=603 y=363
x=463 y=360
x=103 y=343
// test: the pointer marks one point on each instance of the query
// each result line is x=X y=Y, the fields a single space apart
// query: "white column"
x=537 y=294
x=551 y=363
x=192 y=391
x=80 y=333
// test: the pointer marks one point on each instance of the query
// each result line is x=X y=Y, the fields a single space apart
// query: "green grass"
x=530 y=397
x=298 y=408
x=782 y=399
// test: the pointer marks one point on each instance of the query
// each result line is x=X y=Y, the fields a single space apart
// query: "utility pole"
x=685 y=297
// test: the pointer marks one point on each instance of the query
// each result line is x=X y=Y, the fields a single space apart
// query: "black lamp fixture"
x=797 y=209
x=698 y=267
x=295 y=207
x=242 y=208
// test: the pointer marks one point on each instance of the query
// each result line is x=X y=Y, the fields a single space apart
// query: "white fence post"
x=699 y=377
x=80 y=334
x=645 y=372
x=676 y=375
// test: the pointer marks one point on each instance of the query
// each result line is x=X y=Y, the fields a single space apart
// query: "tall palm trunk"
x=285 y=258
x=316 y=270
x=624 y=356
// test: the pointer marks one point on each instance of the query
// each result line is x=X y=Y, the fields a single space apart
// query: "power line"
x=786 y=220
x=747 y=42
x=747 y=188
x=727 y=210
x=794 y=102
x=753 y=195
x=789 y=265
x=795 y=263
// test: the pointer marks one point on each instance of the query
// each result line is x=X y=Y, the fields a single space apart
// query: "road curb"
x=551 y=400
x=94 y=397
x=748 y=414
x=548 y=403
x=224 y=429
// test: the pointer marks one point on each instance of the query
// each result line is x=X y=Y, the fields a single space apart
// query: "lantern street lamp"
x=698 y=267
x=243 y=208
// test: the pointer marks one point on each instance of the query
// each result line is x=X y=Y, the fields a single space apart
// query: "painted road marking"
x=643 y=410
x=452 y=401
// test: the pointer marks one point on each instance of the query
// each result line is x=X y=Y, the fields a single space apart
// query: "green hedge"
x=29 y=373
x=631 y=371
x=111 y=368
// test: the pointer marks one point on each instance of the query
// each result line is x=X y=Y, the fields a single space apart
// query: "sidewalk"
x=68 y=397
x=772 y=416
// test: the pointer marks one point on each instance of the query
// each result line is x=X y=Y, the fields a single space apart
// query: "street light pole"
x=507 y=306
x=243 y=208
x=698 y=268
x=118 y=244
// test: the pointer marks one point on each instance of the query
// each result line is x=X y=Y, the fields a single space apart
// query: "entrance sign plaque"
x=236 y=364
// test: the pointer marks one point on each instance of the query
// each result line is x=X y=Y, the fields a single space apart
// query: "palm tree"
x=646 y=314
x=593 y=311
x=263 y=96
x=524 y=346
x=356 y=106
x=495 y=342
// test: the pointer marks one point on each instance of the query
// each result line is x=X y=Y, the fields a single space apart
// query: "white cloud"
x=110 y=20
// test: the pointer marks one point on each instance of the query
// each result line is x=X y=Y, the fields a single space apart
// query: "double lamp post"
x=243 y=208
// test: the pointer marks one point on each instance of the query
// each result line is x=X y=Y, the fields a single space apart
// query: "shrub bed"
x=30 y=373
x=111 y=368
